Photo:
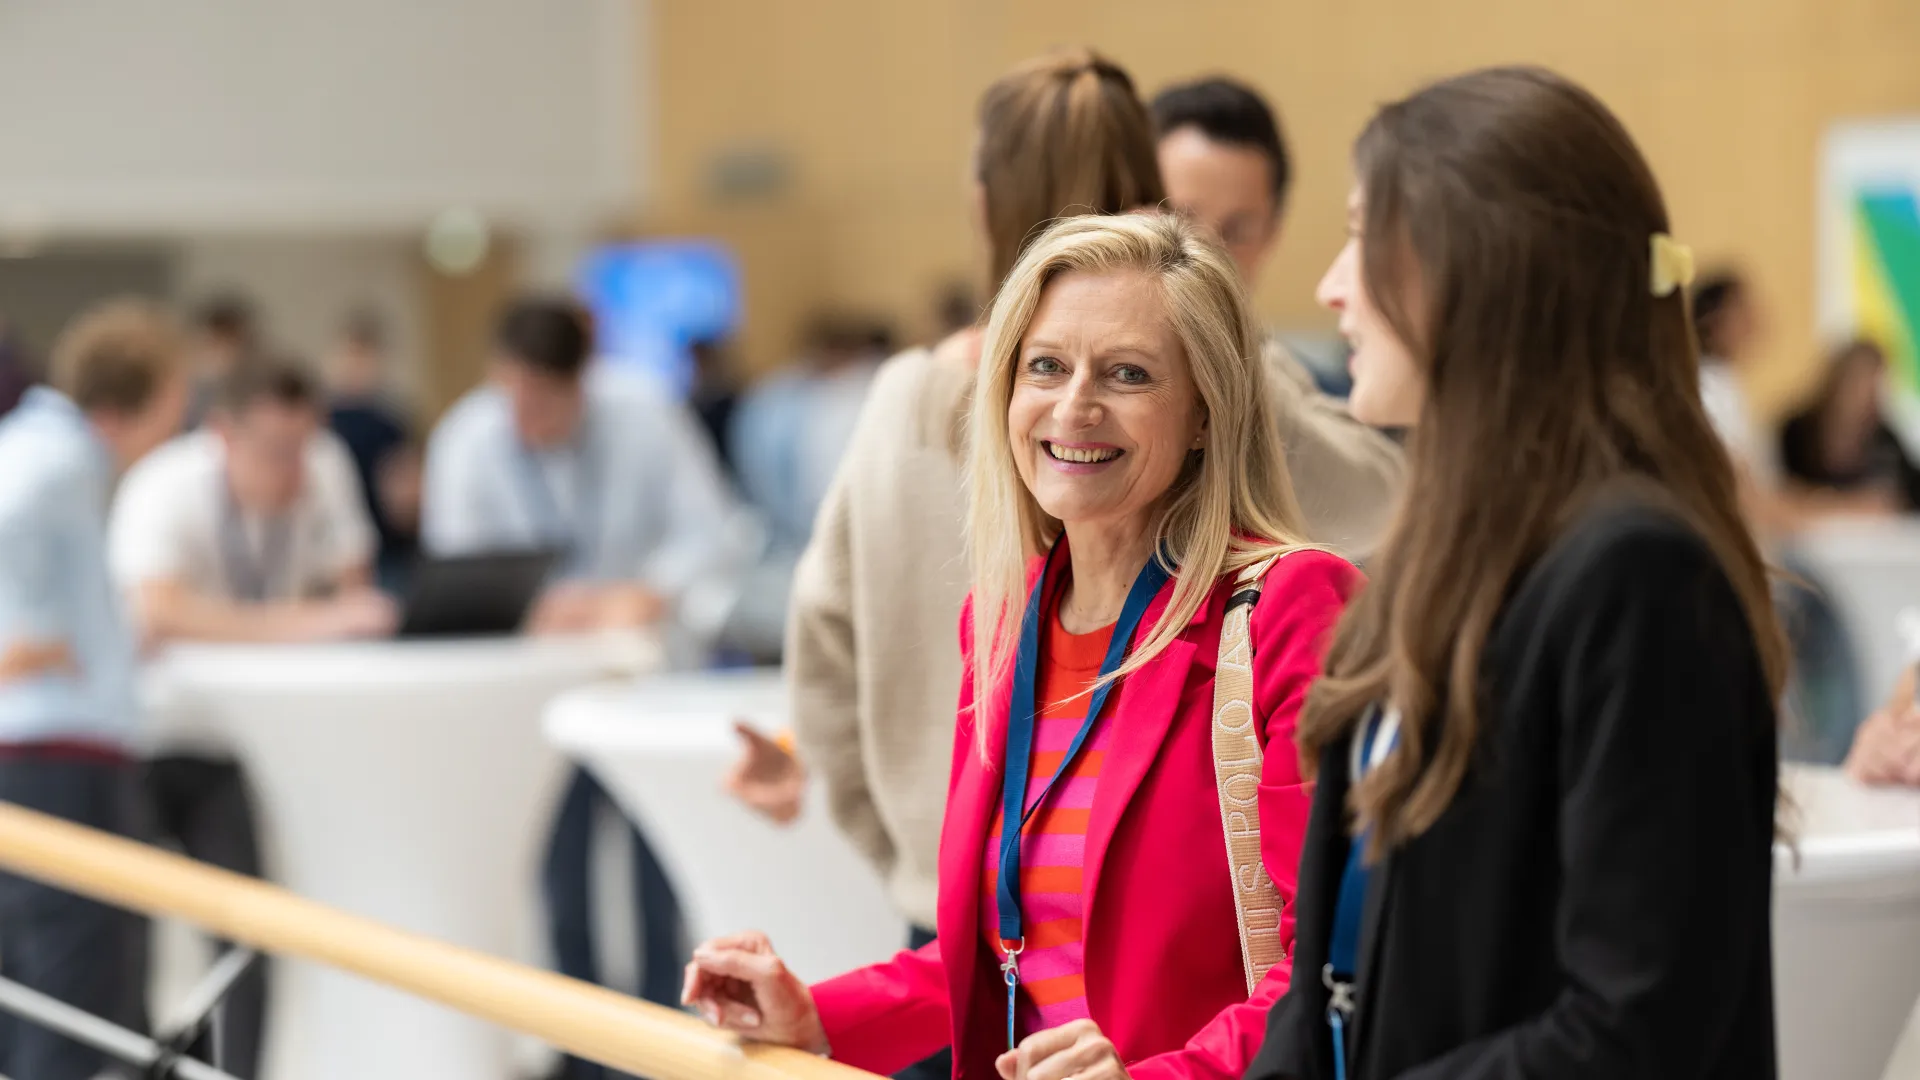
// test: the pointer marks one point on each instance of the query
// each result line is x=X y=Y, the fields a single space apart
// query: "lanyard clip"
x=1010 y=967
x=1340 y=993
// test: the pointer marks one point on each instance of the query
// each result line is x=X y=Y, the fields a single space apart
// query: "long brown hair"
x=1514 y=209
x=1064 y=133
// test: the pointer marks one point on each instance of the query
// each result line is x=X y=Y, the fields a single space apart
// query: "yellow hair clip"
x=1672 y=265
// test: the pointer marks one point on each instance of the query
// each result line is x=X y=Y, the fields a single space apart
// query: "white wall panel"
x=293 y=113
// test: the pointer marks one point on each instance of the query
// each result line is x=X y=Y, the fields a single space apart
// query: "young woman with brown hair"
x=1541 y=843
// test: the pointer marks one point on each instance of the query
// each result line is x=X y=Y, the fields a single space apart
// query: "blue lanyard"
x=550 y=524
x=1022 y=714
x=1343 y=949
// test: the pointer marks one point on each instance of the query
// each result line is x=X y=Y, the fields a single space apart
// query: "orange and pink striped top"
x=1054 y=844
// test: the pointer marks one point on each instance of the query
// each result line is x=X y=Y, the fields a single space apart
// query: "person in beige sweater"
x=872 y=647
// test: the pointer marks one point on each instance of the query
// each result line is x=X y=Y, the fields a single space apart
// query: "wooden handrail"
x=573 y=1016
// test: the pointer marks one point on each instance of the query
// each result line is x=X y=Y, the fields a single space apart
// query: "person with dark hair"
x=376 y=434
x=600 y=466
x=1727 y=326
x=1545 y=742
x=714 y=396
x=1225 y=164
x=1837 y=458
x=68 y=664
x=225 y=331
x=1838 y=449
x=1226 y=168
x=597 y=464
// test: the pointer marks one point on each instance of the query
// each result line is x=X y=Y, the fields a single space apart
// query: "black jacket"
x=1596 y=901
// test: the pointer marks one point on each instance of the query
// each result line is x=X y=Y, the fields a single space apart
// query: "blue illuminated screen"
x=652 y=300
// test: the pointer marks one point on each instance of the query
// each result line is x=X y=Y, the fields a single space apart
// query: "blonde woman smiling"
x=1126 y=490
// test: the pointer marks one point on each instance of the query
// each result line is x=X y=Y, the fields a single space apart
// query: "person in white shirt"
x=604 y=468
x=250 y=529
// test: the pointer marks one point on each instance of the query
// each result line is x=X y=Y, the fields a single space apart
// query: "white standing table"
x=403 y=781
x=663 y=746
x=1846 y=926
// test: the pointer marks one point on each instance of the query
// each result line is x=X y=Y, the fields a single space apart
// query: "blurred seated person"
x=788 y=436
x=1838 y=452
x=224 y=332
x=1727 y=323
x=595 y=464
x=600 y=466
x=397 y=487
x=1886 y=749
x=251 y=530
x=792 y=427
x=714 y=396
x=375 y=431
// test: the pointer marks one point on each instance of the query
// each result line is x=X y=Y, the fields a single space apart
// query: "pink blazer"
x=1163 y=969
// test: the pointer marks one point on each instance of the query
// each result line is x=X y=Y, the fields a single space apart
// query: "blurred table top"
x=691 y=712
x=311 y=668
x=1845 y=831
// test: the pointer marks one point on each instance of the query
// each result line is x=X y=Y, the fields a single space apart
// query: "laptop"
x=474 y=595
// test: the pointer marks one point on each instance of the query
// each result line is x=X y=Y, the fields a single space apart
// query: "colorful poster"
x=1869 y=277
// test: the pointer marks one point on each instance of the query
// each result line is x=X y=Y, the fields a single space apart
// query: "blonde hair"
x=1231 y=506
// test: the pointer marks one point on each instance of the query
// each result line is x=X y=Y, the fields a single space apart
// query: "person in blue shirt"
x=598 y=464
x=787 y=437
x=68 y=659
x=601 y=466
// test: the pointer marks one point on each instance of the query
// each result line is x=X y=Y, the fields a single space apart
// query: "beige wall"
x=873 y=100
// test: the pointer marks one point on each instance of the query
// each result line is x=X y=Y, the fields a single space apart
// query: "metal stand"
x=201 y=1011
x=160 y=1059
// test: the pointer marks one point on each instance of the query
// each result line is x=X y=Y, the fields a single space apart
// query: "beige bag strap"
x=1236 y=770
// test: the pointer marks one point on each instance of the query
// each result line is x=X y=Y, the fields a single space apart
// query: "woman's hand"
x=1075 y=1051
x=1886 y=749
x=768 y=777
x=738 y=984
